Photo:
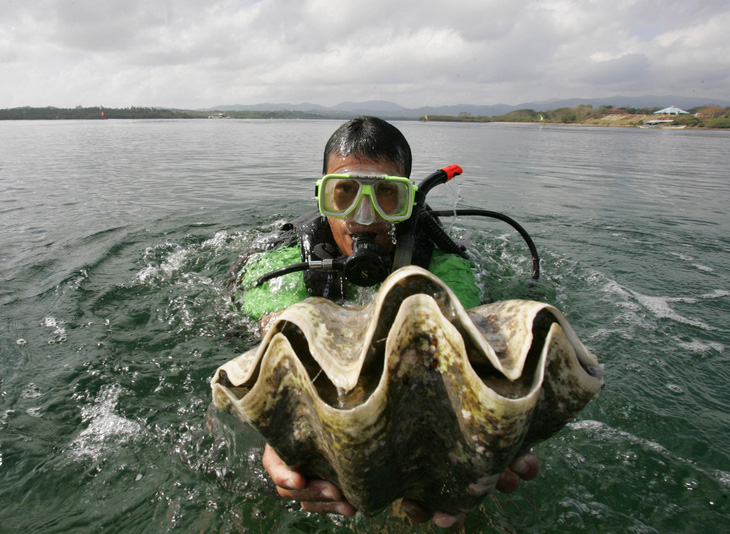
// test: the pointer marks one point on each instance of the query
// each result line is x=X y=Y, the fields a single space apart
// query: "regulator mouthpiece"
x=369 y=264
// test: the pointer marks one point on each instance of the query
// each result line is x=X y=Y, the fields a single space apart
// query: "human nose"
x=365 y=213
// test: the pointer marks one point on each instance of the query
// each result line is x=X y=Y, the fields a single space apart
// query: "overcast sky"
x=194 y=53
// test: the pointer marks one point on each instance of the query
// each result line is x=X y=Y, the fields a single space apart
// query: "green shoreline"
x=711 y=117
x=102 y=113
x=704 y=117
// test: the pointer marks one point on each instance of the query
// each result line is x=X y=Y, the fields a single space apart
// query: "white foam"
x=58 y=330
x=690 y=259
x=31 y=391
x=610 y=432
x=682 y=256
x=659 y=306
x=172 y=264
x=106 y=430
x=76 y=283
x=699 y=347
x=718 y=293
x=180 y=312
x=217 y=242
x=614 y=288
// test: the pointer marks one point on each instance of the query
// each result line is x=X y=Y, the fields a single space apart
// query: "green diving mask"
x=392 y=197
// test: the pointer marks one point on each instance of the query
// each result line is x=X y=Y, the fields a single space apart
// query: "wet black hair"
x=373 y=139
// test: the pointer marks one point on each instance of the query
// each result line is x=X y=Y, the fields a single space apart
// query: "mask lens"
x=391 y=197
x=341 y=195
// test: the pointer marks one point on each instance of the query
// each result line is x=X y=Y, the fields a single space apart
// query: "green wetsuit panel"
x=458 y=274
x=277 y=293
x=282 y=292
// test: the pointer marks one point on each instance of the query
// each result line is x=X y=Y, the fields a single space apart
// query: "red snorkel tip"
x=451 y=171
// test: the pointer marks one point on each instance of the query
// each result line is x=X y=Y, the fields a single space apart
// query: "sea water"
x=116 y=238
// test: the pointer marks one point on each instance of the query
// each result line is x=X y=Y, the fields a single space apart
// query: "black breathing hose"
x=438 y=234
x=495 y=215
x=281 y=272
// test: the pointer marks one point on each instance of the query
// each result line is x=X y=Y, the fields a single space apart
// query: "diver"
x=366 y=201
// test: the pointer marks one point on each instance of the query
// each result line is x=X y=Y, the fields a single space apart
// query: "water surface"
x=115 y=242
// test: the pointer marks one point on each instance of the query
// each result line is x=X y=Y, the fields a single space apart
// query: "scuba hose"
x=430 y=222
x=296 y=267
x=369 y=264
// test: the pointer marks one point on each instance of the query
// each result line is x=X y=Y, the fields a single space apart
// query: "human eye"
x=344 y=192
x=387 y=190
x=346 y=187
x=389 y=195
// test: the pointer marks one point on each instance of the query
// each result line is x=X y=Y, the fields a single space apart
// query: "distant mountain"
x=305 y=106
x=371 y=106
x=471 y=109
x=391 y=110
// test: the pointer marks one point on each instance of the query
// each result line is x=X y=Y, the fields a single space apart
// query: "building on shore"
x=671 y=110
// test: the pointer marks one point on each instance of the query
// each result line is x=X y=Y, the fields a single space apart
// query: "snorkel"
x=407 y=240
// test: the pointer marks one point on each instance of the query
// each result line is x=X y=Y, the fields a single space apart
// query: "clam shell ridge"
x=410 y=396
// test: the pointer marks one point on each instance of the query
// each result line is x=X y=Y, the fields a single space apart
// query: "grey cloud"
x=192 y=54
x=629 y=67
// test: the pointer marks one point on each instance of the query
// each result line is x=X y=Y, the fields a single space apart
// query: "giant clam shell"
x=410 y=396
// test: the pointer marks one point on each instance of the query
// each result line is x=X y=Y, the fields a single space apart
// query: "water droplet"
x=675 y=388
x=341 y=397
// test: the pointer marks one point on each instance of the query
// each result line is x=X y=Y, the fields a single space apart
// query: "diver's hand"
x=419 y=514
x=320 y=496
x=317 y=496
x=523 y=467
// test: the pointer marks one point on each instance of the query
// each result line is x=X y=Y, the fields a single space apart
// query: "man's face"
x=342 y=229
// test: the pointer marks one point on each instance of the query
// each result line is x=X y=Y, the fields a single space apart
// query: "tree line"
x=101 y=113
